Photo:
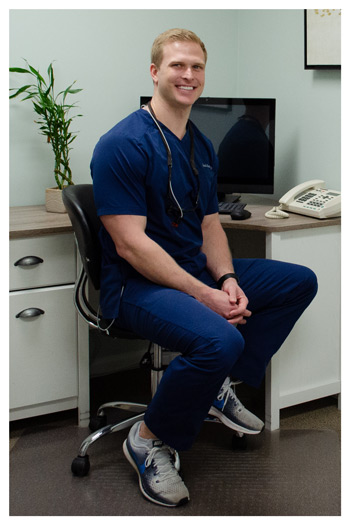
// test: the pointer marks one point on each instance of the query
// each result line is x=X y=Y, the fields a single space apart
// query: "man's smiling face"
x=180 y=78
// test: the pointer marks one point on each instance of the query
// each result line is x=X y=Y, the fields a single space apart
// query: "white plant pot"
x=53 y=201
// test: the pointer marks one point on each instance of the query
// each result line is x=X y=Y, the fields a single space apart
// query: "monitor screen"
x=242 y=131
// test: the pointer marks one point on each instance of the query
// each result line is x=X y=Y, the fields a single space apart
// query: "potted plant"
x=54 y=124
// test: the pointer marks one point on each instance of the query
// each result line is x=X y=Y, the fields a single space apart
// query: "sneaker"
x=157 y=466
x=230 y=411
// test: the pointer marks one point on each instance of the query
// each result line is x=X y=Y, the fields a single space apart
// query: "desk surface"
x=258 y=221
x=33 y=221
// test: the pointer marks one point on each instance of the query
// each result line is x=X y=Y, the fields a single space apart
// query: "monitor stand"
x=251 y=198
x=228 y=197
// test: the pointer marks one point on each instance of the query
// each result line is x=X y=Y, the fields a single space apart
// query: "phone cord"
x=277 y=213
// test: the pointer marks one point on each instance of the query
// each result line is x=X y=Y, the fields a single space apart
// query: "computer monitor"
x=242 y=131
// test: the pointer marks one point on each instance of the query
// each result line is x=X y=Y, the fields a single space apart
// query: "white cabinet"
x=307 y=366
x=43 y=326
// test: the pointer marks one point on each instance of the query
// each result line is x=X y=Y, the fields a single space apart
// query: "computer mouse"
x=240 y=215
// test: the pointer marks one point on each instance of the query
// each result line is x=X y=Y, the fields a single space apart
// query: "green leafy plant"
x=53 y=117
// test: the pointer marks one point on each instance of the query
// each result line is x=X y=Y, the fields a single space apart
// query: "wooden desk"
x=308 y=364
x=258 y=221
x=34 y=221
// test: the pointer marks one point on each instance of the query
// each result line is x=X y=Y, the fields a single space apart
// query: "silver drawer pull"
x=29 y=260
x=30 y=312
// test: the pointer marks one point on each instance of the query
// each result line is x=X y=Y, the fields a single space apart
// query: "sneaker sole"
x=145 y=494
x=234 y=426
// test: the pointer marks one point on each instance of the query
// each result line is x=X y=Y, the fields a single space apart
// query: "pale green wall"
x=271 y=52
x=256 y=53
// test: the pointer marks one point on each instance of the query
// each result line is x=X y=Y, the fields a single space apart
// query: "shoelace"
x=228 y=393
x=165 y=468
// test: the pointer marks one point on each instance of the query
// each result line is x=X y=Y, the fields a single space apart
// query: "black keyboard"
x=229 y=207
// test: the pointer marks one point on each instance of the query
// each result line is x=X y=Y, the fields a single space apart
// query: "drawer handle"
x=29 y=260
x=30 y=312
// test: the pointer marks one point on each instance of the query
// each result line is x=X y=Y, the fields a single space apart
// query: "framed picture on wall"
x=322 y=38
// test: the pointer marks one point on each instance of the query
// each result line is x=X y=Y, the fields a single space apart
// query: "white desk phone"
x=309 y=198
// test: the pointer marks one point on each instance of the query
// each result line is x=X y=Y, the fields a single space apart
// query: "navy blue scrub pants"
x=211 y=348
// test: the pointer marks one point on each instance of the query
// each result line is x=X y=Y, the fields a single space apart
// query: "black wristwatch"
x=222 y=279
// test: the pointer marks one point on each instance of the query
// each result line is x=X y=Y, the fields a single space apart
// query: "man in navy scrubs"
x=168 y=274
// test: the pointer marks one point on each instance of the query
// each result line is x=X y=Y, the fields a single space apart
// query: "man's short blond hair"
x=173 y=35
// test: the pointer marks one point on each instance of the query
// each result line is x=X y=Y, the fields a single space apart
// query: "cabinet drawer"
x=42 y=261
x=43 y=347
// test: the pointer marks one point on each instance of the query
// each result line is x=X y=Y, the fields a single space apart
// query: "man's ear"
x=154 y=73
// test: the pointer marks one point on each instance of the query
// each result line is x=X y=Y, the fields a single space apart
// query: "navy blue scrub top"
x=130 y=177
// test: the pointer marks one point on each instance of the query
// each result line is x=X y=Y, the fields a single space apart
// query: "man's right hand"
x=219 y=301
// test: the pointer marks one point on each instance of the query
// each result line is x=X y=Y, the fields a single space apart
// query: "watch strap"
x=222 y=279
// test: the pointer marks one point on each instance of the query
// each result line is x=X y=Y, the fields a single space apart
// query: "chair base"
x=81 y=465
x=109 y=429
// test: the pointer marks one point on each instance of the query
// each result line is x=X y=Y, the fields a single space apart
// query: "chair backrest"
x=80 y=205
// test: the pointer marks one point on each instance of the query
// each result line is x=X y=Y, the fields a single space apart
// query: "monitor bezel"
x=225 y=185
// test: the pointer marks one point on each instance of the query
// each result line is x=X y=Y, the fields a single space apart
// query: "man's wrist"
x=226 y=276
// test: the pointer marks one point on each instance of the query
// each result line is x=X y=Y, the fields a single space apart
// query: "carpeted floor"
x=291 y=472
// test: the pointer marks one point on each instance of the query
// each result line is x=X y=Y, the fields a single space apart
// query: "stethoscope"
x=176 y=211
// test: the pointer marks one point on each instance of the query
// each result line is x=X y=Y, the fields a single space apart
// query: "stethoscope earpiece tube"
x=170 y=165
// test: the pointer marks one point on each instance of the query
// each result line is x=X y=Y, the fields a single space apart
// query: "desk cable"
x=277 y=213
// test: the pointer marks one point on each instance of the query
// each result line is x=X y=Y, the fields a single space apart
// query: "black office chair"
x=80 y=205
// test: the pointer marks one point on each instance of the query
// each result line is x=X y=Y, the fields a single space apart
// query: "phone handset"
x=293 y=194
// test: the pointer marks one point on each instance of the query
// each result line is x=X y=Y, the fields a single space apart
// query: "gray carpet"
x=284 y=473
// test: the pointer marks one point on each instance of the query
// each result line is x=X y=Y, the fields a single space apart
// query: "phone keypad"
x=306 y=197
x=315 y=200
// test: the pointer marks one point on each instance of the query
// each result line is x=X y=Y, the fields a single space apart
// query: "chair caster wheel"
x=80 y=466
x=239 y=441
x=97 y=422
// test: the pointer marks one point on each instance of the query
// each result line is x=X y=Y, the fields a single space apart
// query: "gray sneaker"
x=157 y=466
x=230 y=411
